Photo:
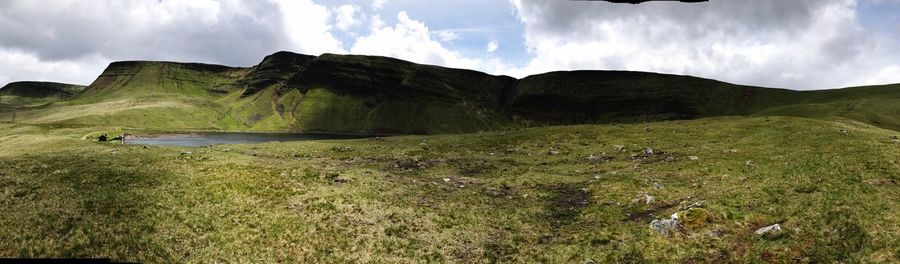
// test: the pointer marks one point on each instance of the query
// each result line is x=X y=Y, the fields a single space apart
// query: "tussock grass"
x=485 y=197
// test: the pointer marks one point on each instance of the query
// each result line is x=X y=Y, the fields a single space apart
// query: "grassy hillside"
x=581 y=97
x=368 y=94
x=877 y=105
x=530 y=195
x=147 y=94
x=41 y=89
x=25 y=95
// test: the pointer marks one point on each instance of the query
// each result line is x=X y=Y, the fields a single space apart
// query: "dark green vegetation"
x=366 y=94
x=529 y=195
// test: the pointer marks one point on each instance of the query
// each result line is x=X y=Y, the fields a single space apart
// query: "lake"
x=216 y=138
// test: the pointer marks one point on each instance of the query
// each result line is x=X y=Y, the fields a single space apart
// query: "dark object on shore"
x=102 y=138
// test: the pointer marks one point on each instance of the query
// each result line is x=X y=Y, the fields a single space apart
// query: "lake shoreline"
x=198 y=139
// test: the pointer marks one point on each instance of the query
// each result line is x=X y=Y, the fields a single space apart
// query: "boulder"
x=666 y=226
x=770 y=232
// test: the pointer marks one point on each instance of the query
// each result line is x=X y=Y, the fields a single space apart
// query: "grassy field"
x=529 y=195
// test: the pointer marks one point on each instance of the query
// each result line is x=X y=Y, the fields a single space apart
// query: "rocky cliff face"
x=274 y=69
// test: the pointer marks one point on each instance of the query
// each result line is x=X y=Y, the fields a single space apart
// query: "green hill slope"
x=370 y=94
x=19 y=95
x=581 y=97
x=147 y=94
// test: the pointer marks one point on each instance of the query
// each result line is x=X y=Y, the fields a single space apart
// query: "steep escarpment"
x=274 y=69
x=139 y=78
x=384 y=95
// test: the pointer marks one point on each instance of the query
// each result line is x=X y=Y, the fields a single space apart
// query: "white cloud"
x=492 y=46
x=16 y=63
x=447 y=36
x=376 y=23
x=307 y=26
x=346 y=17
x=378 y=4
x=411 y=40
x=890 y=74
x=796 y=44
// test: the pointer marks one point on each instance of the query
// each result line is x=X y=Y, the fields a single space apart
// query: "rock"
x=693 y=157
x=657 y=186
x=665 y=226
x=446 y=179
x=895 y=139
x=619 y=147
x=648 y=152
x=552 y=152
x=599 y=158
x=770 y=232
x=643 y=198
x=749 y=163
x=184 y=152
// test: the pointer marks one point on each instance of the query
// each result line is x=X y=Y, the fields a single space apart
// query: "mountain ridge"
x=289 y=91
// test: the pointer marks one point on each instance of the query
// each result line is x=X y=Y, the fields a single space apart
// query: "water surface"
x=216 y=138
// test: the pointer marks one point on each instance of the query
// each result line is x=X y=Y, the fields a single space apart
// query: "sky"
x=796 y=44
